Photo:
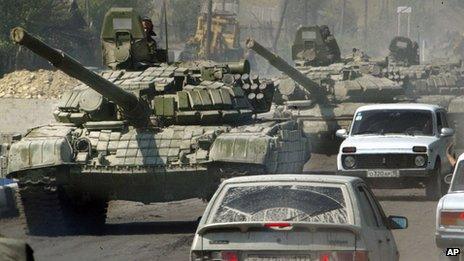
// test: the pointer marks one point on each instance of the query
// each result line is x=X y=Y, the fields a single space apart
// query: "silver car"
x=450 y=212
x=295 y=217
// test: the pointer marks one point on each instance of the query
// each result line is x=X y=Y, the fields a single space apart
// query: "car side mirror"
x=446 y=132
x=342 y=133
x=397 y=222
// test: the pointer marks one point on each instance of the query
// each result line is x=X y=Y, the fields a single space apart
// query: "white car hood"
x=453 y=201
x=387 y=143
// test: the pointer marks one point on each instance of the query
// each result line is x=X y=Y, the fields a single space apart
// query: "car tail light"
x=229 y=256
x=344 y=256
x=214 y=256
x=448 y=218
x=277 y=225
x=349 y=149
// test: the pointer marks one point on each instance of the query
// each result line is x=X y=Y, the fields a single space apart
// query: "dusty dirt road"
x=164 y=231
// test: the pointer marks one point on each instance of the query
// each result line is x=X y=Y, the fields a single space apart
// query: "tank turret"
x=403 y=52
x=329 y=84
x=309 y=86
x=134 y=109
x=315 y=46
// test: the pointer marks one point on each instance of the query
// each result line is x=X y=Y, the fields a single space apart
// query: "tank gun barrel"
x=281 y=65
x=130 y=104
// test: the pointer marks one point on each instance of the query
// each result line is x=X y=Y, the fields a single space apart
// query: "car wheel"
x=436 y=186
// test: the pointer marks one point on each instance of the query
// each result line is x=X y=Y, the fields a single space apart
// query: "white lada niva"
x=398 y=146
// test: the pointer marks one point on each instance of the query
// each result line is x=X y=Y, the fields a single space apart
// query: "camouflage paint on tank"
x=145 y=131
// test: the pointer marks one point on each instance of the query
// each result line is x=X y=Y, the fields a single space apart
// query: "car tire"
x=436 y=186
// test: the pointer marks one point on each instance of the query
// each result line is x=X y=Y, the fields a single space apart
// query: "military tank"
x=323 y=99
x=144 y=131
x=437 y=82
x=354 y=81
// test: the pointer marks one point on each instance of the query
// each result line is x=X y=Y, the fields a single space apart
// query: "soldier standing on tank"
x=150 y=34
x=329 y=39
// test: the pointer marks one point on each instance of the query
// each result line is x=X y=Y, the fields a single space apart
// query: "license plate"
x=380 y=173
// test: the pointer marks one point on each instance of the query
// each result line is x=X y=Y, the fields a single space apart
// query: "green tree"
x=56 y=22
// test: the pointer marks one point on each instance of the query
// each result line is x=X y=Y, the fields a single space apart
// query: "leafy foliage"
x=56 y=22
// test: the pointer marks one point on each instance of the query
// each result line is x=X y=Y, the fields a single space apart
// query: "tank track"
x=236 y=169
x=44 y=205
x=49 y=211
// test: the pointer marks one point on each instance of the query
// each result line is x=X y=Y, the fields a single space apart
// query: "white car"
x=398 y=145
x=295 y=217
x=450 y=212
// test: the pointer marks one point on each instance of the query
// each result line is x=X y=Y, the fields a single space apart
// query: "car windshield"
x=458 y=178
x=409 y=122
x=292 y=203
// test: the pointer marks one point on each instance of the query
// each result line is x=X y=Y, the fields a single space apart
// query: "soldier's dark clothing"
x=334 y=49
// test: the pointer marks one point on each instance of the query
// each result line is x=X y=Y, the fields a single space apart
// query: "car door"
x=389 y=249
x=374 y=236
x=442 y=122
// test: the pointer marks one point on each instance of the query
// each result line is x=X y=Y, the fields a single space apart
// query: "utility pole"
x=409 y=25
x=342 y=20
x=305 y=10
x=399 y=25
x=166 y=29
x=366 y=10
x=279 y=28
x=209 y=14
x=87 y=13
x=387 y=10
x=161 y=22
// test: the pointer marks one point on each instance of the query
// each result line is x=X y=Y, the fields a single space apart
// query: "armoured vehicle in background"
x=144 y=131
x=438 y=82
x=324 y=99
x=350 y=83
x=224 y=42
x=403 y=52
x=315 y=46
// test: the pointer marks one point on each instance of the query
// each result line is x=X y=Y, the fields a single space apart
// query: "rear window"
x=283 y=202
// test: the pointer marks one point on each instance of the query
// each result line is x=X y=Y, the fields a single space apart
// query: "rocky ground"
x=41 y=84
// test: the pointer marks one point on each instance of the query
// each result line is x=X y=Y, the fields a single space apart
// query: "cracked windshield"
x=294 y=203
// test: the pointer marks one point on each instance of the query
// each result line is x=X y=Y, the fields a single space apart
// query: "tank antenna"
x=166 y=30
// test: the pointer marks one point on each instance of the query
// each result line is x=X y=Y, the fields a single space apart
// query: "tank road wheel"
x=229 y=170
x=51 y=208
x=436 y=186
x=45 y=205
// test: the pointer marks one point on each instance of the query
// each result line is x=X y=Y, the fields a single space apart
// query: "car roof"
x=400 y=106
x=295 y=177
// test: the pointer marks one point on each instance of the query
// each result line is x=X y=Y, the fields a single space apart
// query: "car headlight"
x=349 y=162
x=419 y=161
